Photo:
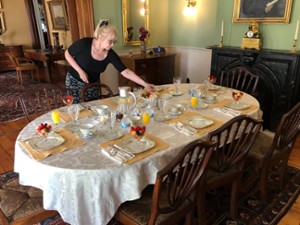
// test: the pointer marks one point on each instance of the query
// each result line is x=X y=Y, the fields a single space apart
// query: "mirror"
x=135 y=15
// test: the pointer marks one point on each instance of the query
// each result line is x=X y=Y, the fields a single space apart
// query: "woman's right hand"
x=84 y=77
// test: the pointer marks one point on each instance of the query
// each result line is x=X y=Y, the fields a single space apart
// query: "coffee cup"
x=87 y=129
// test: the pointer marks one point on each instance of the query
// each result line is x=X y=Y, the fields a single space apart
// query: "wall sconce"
x=189 y=9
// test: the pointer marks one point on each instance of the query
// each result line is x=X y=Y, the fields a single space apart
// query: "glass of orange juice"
x=146 y=117
x=55 y=116
x=194 y=101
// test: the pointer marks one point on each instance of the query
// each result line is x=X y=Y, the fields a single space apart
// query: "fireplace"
x=278 y=89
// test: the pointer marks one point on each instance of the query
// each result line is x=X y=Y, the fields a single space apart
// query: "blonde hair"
x=105 y=30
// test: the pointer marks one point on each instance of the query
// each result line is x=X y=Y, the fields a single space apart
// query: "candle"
x=296 y=32
x=222 y=29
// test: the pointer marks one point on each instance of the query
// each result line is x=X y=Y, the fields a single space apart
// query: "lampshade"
x=189 y=9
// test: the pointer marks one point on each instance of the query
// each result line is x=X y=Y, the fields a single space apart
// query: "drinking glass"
x=55 y=116
x=194 y=101
x=162 y=102
x=73 y=111
x=68 y=100
x=146 y=118
x=177 y=82
x=237 y=95
x=113 y=118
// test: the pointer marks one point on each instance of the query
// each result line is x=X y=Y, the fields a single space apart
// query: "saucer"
x=176 y=93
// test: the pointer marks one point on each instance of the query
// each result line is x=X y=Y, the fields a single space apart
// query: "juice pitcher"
x=127 y=100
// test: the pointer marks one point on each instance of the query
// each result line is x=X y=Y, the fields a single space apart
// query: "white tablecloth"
x=85 y=186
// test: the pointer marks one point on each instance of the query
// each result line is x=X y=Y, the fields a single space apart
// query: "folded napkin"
x=71 y=141
x=228 y=112
x=117 y=154
x=182 y=129
x=159 y=146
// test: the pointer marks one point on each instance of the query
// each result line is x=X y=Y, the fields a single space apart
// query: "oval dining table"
x=85 y=185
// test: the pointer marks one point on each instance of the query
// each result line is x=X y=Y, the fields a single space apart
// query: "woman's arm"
x=129 y=74
x=83 y=75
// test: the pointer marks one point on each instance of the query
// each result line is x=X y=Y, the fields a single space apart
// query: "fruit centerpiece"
x=43 y=129
x=138 y=132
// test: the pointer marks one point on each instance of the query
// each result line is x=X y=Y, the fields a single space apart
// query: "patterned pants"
x=75 y=86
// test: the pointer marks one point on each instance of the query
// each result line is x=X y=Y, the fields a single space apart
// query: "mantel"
x=278 y=89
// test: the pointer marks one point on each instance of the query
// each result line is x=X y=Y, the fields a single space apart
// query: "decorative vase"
x=143 y=47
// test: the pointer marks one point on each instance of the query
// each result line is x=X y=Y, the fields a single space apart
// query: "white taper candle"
x=296 y=32
x=222 y=29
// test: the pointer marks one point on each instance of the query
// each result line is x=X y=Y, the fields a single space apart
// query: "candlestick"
x=221 y=43
x=296 y=32
x=222 y=29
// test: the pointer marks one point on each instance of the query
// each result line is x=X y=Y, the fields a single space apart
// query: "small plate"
x=41 y=143
x=201 y=105
x=237 y=106
x=176 y=93
x=159 y=88
x=165 y=96
x=177 y=109
x=161 y=117
x=214 y=88
x=111 y=135
x=131 y=145
x=197 y=122
x=141 y=103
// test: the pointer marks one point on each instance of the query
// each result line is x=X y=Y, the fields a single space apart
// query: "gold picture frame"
x=58 y=13
x=262 y=11
x=2 y=23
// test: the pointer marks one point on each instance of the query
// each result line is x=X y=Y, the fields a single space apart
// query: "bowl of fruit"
x=149 y=97
x=137 y=132
x=43 y=129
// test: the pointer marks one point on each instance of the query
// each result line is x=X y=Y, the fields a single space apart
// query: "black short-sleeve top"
x=81 y=51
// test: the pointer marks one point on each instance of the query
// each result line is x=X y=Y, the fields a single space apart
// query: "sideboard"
x=155 y=69
x=278 y=89
x=5 y=62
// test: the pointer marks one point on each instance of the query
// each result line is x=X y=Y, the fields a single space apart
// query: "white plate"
x=214 y=87
x=131 y=145
x=177 y=109
x=238 y=106
x=176 y=93
x=159 y=88
x=111 y=135
x=41 y=143
x=197 y=122
x=202 y=105
x=165 y=96
x=141 y=103
x=161 y=118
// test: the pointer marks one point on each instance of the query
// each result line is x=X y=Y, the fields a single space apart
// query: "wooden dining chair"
x=23 y=64
x=268 y=151
x=172 y=198
x=94 y=91
x=233 y=141
x=241 y=79
x=19 y=204
x=41 y=101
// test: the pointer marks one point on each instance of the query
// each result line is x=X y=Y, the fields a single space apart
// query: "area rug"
x=251 y=210
x=11 y=90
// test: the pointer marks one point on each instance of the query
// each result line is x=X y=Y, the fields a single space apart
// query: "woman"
x=89 y=57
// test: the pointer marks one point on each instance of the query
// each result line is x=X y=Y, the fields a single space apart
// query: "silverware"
x=123 y=151
x=88 y=107
x=190 y=129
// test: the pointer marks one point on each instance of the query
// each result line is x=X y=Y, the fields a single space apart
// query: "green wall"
x=168 y=26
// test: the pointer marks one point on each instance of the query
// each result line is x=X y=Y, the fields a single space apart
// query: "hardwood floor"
x=10 y=130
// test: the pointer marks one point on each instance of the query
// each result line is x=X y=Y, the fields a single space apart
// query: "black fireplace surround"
x=278 y=89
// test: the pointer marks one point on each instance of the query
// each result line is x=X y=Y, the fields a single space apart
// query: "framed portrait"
x=262 y=11
x=58 y=15
x=2 y=23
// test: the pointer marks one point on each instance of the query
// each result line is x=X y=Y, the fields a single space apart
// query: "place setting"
x=133 y=146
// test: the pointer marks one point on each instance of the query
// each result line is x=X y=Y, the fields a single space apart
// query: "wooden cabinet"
x=155 y=69
x=5 y=62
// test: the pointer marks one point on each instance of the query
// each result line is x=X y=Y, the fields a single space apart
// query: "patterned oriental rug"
x=11 y=90
x=251 y=211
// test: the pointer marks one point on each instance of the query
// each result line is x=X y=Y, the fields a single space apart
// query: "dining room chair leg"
x=263 y=186
x=282 y=169
x=201 y=214
x=234 y=198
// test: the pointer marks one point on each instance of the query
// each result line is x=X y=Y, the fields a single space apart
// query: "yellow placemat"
x=71 y=141
x=159 y=145
x=201 y=131
x=83 y=113
x=226 y=101
x=111 y=102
